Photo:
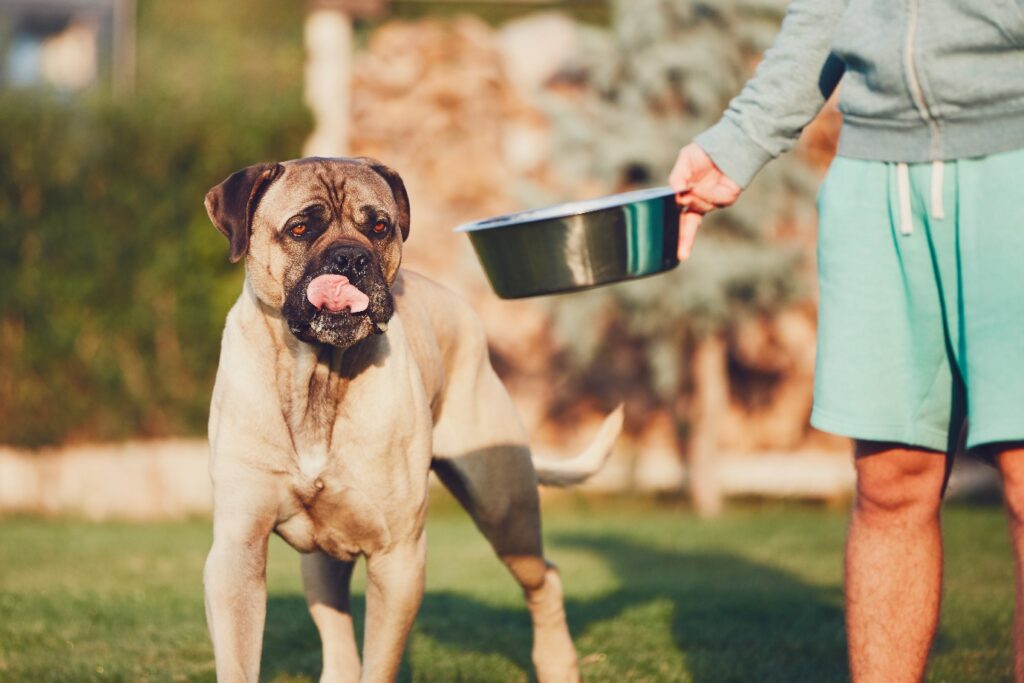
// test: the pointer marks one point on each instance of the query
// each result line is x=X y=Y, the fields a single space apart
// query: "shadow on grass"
x=732 y=619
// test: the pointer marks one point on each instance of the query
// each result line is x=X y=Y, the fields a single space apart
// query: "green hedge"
x=115 y=284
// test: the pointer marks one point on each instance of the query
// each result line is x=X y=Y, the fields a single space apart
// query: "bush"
x=115 y=283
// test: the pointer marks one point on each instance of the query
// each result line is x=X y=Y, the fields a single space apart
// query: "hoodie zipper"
x=916 y=92
x=921 y=104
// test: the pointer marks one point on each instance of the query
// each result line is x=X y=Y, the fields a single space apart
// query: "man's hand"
x=700 y=187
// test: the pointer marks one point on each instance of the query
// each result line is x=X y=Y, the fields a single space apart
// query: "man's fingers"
x=689 y=223
x=722 y=192
x=693 y=202
x=700 y=187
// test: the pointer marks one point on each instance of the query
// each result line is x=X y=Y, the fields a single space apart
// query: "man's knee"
x=1009 y=458
x=895 y=481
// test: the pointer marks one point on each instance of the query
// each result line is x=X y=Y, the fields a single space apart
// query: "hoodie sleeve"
x=789 y=87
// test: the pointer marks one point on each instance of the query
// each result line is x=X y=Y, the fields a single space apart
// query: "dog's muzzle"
x=342 y=300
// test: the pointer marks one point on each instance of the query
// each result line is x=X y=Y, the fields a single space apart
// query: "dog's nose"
x=352 y=261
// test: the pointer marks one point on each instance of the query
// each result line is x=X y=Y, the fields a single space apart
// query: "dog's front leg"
x=236 y=597
x=394 y=590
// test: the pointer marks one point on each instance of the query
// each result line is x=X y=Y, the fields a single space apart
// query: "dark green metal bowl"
x=576 y=246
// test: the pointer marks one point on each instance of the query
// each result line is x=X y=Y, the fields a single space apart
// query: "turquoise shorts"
x=921 y=321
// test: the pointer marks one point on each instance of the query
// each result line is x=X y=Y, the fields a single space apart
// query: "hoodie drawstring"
x=903 y=195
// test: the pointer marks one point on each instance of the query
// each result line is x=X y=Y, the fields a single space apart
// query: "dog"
x=342 y=382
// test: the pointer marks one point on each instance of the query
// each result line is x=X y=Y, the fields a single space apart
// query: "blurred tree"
x=635 y=95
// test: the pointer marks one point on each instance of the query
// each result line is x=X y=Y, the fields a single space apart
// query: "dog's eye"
x=380 y=227
x=299 y=230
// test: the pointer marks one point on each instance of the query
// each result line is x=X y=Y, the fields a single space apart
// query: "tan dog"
x=342 y=383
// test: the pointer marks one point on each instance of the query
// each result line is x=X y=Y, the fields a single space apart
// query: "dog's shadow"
x=731 y=619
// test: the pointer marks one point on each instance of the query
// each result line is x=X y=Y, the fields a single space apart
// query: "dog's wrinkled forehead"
x=336 y=191
x=347 y=189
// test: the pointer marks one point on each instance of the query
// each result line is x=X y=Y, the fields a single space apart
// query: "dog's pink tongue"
x=336 y=293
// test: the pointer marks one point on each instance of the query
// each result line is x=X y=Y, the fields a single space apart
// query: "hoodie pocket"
x=970 y=58
x=869 y=40
x=1014 y=26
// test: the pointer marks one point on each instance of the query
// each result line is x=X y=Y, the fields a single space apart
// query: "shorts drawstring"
x=903 y=195
x=937 y=172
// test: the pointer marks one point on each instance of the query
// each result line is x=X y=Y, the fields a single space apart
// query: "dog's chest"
x=323 y=512
x=340 y=491
x=355 y=472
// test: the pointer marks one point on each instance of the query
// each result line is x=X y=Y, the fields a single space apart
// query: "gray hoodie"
x=922 y=80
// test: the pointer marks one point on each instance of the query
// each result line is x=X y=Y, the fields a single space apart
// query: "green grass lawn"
x=653 y=595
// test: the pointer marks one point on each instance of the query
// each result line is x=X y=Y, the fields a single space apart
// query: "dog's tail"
x=577 y=470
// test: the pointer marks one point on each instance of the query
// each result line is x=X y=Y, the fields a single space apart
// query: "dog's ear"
x=232 y=204
x=397 y=189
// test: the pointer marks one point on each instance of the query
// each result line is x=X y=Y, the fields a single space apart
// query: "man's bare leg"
x=893 y=562
x=1009 y=458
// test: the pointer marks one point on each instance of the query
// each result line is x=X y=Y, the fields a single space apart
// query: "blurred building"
x=67 y=45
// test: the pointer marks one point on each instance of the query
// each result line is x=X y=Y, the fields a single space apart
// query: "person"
x=921 y=274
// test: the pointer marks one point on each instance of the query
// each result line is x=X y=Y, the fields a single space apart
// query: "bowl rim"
x=567 y=209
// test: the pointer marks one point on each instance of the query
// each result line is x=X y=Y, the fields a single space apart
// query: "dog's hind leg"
x=498 y=487
x=482 y=454
x=327 y=582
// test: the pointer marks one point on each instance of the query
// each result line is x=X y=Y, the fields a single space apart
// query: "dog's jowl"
x=343 y=381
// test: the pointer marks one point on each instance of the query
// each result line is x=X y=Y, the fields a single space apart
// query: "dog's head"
x=322 y=241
